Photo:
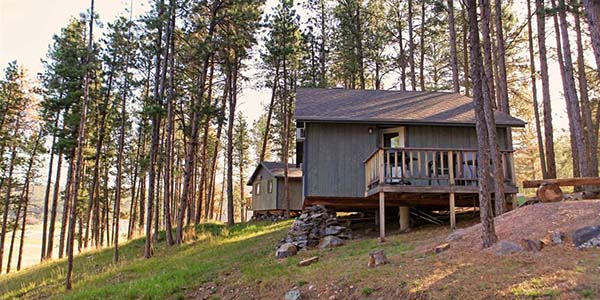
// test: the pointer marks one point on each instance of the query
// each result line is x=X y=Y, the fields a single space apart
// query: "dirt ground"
x=465 y=271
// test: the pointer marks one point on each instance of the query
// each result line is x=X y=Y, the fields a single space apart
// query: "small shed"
x=267 y=182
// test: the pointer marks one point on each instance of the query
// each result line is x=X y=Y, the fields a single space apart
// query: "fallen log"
x=549 y=192
x=563 y=182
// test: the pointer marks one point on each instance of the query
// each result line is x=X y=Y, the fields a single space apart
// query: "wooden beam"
x=563 y=182
x=452 y=212
x=404 y=216
x=382 y=217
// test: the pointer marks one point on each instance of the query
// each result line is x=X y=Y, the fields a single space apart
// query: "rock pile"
x=268 y=217
x=316 y=226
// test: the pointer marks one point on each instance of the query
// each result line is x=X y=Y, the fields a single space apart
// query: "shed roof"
x=276 y=169
x=393 y=107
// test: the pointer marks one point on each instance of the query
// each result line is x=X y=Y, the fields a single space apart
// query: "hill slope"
x=239 y=263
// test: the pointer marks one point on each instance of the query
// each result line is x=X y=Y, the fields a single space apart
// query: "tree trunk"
x=411 y=47
x=536 y=111
x=66 y=205
x=487 y=221
x=422 y=46
x=453 y=59
x=263 y=150
x=501 y=62
x=152 y=186
x=467 y=73
x=486 y=41
x=8 y=196
x=590 y=137
x=547 y=107
x=79 y=156
x=592 y=12
x=571 y=91
x=47 y=192
x=193 y=142
x=54 y=209
x=231 y=119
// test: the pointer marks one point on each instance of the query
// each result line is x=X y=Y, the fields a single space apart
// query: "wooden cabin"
x=267 y=182
x=371 y=149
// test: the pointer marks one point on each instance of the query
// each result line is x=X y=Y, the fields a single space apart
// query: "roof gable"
x=276 y=169
x=379 y=106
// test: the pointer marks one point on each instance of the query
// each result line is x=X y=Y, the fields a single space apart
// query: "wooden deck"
x=435 y=177
x=428 y=170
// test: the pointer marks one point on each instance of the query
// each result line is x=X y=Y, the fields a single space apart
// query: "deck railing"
x=428 y=167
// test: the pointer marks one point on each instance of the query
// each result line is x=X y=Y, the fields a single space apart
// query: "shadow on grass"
x=215 y=247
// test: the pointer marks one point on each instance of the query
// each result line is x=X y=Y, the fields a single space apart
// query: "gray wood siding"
x=333 y=161
x=295 y=194
x=447 y=137
x=266 y=200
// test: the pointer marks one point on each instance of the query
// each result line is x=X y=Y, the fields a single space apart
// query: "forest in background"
x=144 y=117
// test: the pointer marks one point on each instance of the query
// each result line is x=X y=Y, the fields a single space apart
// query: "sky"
x=27 y=27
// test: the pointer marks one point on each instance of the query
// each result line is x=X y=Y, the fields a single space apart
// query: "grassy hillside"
x=239 y=263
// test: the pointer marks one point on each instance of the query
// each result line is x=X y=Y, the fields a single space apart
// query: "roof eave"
x=400 y=122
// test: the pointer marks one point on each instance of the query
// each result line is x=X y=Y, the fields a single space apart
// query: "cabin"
x=375 y=149
x=268 y=193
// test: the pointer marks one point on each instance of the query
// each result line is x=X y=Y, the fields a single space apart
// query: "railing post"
x=451 y=168
x=381 y=156
x=512 y=168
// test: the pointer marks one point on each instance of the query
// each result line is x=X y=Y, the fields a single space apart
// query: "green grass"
x=245 y=251
x=168 y=273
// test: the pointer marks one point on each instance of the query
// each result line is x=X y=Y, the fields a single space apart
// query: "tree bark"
x=547 y=107
x=263 y=150
x=47 y=192
x=501 y=62
x=571 y=91
x=590 y=136
x=536 y=111
x=79 y=156
x=9 y=179
x=487 y=221
x=453 y=59
x=592 y=12
x=422 y=46
x=486 y=41
x=411 y=47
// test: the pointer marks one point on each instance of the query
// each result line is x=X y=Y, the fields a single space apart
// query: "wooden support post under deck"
x=404 y=214
x=452 y=212
x=515 y=204
x=381 y=217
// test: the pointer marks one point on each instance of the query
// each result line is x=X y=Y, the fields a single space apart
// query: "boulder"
x=285 y=250
x=593 y=243
x=330 y=241
x=333 y=230
x=585 y=234
x=377 y=258
x=532 y=245
x=557 y=238
x=507 y=247
x=293 y=294
x=455 y=235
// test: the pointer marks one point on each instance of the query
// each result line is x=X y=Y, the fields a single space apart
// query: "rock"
x=285 y=250
x=330 y=241
x=293 y=295
x=308 y=261
x=441 y=248
x=507 y=247
x=532 y=245
x=557 y=238
x=593 y=243
x=455 y=235
x=585 y=234
x=311 y=226
x=377 y=258
x=333 y=230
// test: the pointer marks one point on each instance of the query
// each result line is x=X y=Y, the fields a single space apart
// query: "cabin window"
x=257 y=188
x=270 y=186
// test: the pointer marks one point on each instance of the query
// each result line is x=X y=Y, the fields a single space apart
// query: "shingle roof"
x=277 y=170
x=379 y=106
